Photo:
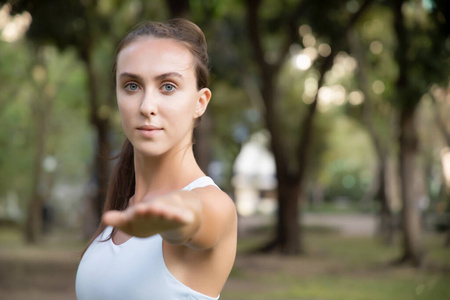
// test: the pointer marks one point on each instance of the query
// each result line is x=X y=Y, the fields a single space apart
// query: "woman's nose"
x=149 y=105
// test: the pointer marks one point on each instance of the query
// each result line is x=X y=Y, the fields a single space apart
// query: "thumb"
x=114 y=218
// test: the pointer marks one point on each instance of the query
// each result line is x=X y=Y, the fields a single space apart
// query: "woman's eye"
x=168 y=87
x=131 y=87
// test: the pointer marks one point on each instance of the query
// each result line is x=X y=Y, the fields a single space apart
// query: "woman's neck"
x=162 y=174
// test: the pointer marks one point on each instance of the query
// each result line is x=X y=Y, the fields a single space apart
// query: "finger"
x=162 y=211
x=115 y=218
x=181 y=216
x=165 y=211
x=147 y=209
x=157 y=210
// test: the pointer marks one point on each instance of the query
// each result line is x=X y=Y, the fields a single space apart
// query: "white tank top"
x=134 y=270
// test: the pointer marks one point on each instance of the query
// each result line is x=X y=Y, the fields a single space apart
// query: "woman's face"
x=157 y=95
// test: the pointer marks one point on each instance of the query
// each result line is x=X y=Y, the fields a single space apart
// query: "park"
x=328 y=127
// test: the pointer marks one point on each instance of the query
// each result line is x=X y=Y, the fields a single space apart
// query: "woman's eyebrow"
x=158 y=77
x=130 y=75
x=169 y=74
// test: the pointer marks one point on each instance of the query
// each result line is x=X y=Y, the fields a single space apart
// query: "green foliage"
x=425 y=60
x=71 y=137
x=330 y=18
x=68 y=142
x=348 y=164
x=16 y=138
x=67 y=25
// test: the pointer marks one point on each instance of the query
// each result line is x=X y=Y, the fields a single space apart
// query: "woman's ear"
x=204 y=95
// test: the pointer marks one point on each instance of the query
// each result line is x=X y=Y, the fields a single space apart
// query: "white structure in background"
x=10 y=209
x=254 y=177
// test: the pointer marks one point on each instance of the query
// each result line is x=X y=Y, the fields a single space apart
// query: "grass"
x=365 y=287
x=334 y=267
x=354 y=286
x=339 y=268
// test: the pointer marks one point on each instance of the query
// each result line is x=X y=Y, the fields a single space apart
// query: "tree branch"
x=306 y=126
x=292 y=28
x=255 y=37
x=268 y=74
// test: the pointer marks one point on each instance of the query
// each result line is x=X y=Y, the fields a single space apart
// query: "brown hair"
x=180 y=30
x=121 y=186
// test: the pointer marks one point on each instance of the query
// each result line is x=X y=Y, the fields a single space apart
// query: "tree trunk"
x=100 y=171
x=289 y=239
x=41 y=114
x=386 y=219
x=411 y=189
x=101 y=166
x=410 y=174
x=33 y=224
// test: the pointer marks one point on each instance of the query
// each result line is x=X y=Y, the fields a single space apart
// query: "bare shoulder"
x=212 y=195
x=219 y=217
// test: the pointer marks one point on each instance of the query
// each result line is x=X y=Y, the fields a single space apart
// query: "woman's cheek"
x=125 y=119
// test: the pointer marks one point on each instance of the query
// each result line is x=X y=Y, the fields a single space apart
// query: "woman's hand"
x=172 y=214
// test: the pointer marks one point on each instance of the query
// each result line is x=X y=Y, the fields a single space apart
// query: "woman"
x=168 y=232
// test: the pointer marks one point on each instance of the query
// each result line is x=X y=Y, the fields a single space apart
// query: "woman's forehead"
x=155 y=55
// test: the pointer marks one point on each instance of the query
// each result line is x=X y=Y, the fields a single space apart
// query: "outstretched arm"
x=196 y=218
x=176 y=214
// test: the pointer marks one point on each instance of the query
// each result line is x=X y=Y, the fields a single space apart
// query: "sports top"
x=133 y=270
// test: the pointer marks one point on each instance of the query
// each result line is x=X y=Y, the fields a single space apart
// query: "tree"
x=73 y=26
x=17 y=142
x=368 y=118
x=42 y=107
x=291 y=170
x=419 y=52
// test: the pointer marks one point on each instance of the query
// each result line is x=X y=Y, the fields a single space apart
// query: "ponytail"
x=121 y=186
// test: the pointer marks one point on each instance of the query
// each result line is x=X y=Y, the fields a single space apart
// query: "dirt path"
x=345 y=224
x=37 y=274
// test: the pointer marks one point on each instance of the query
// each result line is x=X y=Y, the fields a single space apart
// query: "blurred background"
x=329 y=126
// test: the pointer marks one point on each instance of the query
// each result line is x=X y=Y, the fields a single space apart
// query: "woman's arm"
x=197 y=218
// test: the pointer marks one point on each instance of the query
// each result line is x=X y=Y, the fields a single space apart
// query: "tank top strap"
x=200 y=182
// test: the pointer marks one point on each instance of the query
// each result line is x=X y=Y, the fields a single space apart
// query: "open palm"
x=149 y=217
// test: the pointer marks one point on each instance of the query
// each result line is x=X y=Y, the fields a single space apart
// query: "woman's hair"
x=180 y=30
x=121 y=186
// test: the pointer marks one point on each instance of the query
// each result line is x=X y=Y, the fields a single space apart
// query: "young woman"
x=168 y=232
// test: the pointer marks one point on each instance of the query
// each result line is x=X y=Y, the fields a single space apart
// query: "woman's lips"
x=149 y=130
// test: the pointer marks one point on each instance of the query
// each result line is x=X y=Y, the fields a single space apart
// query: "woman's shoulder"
x=219 y=210
x=210 y=192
